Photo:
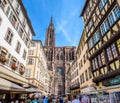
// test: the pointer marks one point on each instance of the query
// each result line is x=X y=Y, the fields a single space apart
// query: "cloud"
x=65 y=25
x=64 y=33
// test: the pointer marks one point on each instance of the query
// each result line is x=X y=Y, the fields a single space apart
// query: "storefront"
x=106 y=94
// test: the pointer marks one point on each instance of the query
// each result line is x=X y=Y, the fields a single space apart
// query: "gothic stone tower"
x=58 y=60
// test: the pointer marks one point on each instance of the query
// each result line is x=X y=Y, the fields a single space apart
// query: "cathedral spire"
x=51 y=20
x=50 y=34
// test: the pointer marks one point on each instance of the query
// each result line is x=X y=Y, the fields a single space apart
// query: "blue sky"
x=66 y=17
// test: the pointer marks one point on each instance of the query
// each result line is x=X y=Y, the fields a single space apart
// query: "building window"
x=88 y=10
x=90 y=43
x=104 y=27
x=102 y=4
x=24 y=54
x=18 y=47
x=30 y=61
x=96 y=63
x=8 y=11
x=90 y=25
x=99 y=60
x=13 y=19
x=27 y=72
x=102 y=58
x=20 y=31
x=25 y=39
x=9 y=36
x=96 y=37
x=114 y=15
x=114 y=50
x=2 y=4
x=18 y=8
x=33 y=44
x=24 y=22
x=109 y=54
x=31 y=52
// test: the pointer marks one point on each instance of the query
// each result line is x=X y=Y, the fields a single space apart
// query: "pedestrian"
x=40 y=100
x=85 y=99
x=45 y=99
x=34 y=99
x=61 y=100
x=76 y=100
x=69 y=100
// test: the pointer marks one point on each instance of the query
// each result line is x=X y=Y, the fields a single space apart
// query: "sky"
x=66 y=18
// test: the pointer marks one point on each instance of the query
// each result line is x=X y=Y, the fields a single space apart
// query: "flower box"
x=3 y=59
x=14 y=66
x=22 y=71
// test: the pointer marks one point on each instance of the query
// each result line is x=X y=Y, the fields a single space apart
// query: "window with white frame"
x=18 y=8
x=30 y=61
x=31 y=52
x=18 y=47
x=33 y=44
x=9 y=36
x=8 y=11
x=27 y=72
x=2 y=3
x=24 y=54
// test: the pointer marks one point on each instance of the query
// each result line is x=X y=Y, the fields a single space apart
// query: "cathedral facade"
x=58 y=60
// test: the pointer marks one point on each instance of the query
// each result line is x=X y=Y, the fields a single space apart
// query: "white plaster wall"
x=11 y=48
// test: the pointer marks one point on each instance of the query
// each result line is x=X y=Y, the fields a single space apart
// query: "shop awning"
x=88 y=89
x=110 y=88
x=10 y=86
x=32 y=89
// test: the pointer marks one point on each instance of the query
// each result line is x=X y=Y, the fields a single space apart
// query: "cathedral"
x=58 y=60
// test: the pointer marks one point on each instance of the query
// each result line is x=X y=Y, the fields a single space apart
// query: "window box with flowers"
x=14 y=66
x=22 y=71
x=3 y=59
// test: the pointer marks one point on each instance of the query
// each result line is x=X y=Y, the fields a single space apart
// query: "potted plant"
x=14 y=66
x=3 y=59
x=22 y=71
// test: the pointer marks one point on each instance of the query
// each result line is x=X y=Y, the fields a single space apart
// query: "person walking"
x=45 y=99
x=85 y=99
x=76 y=100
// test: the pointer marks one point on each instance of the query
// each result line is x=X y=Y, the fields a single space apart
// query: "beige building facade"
x=85 y=75
x=37 y=70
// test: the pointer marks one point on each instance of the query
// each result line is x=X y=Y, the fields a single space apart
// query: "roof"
x=26 y=15
x=84 y=7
